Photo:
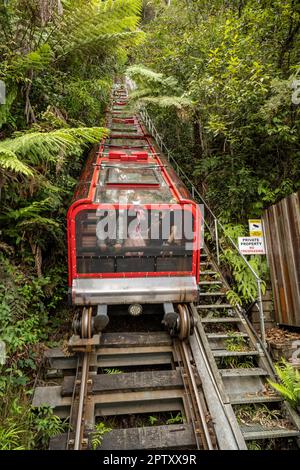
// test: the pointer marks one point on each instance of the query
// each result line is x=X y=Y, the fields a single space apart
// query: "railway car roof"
x=135 y=184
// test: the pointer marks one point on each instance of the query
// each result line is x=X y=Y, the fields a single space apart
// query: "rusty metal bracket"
x=77 y=344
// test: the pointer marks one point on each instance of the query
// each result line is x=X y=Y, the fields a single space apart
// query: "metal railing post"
x=217 y=239
x=261 y=313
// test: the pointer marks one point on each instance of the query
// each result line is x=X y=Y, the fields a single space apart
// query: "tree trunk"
x=289 y=41
x=38 y=259
x=29 y=113
x=198 y=151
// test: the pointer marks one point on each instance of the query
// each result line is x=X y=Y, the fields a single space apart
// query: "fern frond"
x=138 y=72
x=39 y=221
x=34 y=60
x=287 y=394
x=95 y=24
x=167 y=101
x=32 y=210
x=10 y=162
x=156 y=88
x=289 y=387
x=38 y=147
x=136 y=95
x=6 y=248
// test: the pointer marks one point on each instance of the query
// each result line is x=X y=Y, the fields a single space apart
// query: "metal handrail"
x=217 y=224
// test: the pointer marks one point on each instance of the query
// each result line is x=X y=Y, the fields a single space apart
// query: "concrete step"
x=225 y=353
x=238 y=334
x=265 y=433
x=255 y=371
x=210 y=283
x=249 y=399
x=213 y=306
x=221 y=320
x=213 y=294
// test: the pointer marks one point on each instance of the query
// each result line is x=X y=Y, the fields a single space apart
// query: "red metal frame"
x=133 y=186
x=87 y=204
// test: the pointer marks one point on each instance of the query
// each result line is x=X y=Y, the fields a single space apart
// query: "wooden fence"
x=282 y=233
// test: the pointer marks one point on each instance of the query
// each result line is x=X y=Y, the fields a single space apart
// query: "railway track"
x=129 y=375
x=160 y=378
x=80 y=403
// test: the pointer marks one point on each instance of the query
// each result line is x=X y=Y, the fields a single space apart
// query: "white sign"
x=255 y=228
x=252 y=245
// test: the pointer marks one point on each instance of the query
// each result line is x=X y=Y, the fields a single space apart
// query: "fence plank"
x=282 y=231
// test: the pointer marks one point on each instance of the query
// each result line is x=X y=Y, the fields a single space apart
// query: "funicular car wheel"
x=185 y=322
x=86 y=323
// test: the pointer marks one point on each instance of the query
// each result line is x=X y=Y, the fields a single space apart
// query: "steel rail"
x=73 y=402
x=198 y=411
x=79 y=430
x=188 y=410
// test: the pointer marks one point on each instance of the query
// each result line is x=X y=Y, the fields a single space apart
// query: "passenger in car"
x=108 y=232
x=135 y=234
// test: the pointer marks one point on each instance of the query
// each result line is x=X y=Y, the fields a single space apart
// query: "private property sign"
x=252 y=245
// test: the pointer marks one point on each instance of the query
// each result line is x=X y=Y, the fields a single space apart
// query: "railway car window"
x=136 y=176
x=136 y=143
x=131 y=132
x=123 y=128
x=121 y=115
x=121 y=175
x=138 y=240
x=137 y=196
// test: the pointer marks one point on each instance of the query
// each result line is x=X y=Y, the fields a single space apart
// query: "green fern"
x=90 y=25
x=289 y=387
x=36 y=60
x=178 y=102
x=177 y=419
x=34 y=148
x=6 y=248
x=152 y=420
x=39 y=221
x=235 y=342
x=233 y=298
x=245 y=281
x=254 y=445
x=112 y=371
x=37 y=147
x=10 y=437
x=143 y=75
x=97 y=435
x=10 y=162
x=157 y=89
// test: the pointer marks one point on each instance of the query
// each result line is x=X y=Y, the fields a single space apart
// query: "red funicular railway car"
x=133 y=230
